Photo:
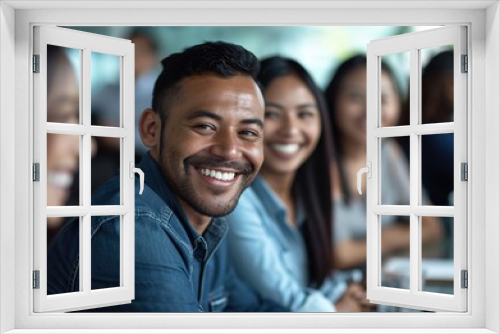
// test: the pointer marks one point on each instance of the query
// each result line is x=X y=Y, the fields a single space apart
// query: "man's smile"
x=218 y=175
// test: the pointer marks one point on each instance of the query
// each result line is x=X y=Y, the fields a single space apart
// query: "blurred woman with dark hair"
x=438 y=107
x=346 y=99
x=280 y=232
x=62 y=150
x=437 y=89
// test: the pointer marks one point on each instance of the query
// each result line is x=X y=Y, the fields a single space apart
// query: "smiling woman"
x=281 y=226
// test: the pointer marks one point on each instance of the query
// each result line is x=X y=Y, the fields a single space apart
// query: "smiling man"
x=204 y=132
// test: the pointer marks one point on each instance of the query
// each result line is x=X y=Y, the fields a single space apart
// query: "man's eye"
x=250 y=134
x=205 y=127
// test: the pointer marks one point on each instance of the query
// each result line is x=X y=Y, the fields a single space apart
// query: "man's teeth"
x=286 y=148
x=217 y=175
x=60 y=179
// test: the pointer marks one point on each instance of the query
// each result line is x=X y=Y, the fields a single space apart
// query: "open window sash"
x=85 y=44
x=415 y=297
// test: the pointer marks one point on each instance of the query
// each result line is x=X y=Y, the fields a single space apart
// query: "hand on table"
x=354 y=300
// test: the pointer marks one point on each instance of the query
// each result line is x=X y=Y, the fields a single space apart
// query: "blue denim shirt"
x=262 y=240
x=176 y=269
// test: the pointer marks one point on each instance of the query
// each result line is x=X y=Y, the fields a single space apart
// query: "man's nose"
x=226 y=146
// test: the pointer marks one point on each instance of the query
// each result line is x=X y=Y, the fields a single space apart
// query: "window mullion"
x=127 y=238
x=415 y=264
x=373 y=264
x=434 y=128
x=85 y=255
x=40 y=155
x=460 y=155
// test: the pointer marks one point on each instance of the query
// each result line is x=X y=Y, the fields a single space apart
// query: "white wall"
x=7 y=161
x=492 y=164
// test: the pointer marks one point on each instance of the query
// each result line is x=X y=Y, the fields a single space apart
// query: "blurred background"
x=320 y=50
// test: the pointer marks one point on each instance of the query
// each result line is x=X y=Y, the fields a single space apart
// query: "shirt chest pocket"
x=217 y=300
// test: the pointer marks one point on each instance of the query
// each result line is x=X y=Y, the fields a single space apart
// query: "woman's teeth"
x=217 y=175
x=286 y=148
x=60 y=179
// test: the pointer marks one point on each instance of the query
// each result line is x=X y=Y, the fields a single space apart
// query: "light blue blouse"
x=270 y=254
x=350 y=218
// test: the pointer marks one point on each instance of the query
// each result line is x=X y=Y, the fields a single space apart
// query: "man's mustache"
x=213 y=162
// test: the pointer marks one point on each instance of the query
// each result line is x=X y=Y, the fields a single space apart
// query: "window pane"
x=437 y=84
x=437 y=261
x=395 y=75
x=437 y=169
x=105 y=78
x=55 y=281
x=63 y=157
x=106 y=252
x=63 y=94
x=395 y=252
x=105 y=165
x=394 y=173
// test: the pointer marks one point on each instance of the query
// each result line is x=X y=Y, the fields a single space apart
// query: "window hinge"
x=465 y=171
x=465 y=279
x=36 y=63
x=36 y=172
x=465 y=64
x=36 y=279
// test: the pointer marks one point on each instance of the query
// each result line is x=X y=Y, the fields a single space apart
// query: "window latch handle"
x=368 y=171
x=141 y=175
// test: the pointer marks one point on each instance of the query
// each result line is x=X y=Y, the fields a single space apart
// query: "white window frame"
x=414 y=296
x=85 y=43
x=483 y=21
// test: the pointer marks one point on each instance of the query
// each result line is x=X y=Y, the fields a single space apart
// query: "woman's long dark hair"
x=436 y=106
x=331 y=93
x=312 y=181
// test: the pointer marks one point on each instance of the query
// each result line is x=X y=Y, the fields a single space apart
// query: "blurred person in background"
x=106 y=108
x=146 y=72
x=105 y=105
x=62 y=150
x=346 y=99
x=280 y=232
x=437 y=107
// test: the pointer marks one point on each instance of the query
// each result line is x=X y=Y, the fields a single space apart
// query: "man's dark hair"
x=220 y=58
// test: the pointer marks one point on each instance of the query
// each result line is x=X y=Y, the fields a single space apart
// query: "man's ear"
x=150 y=129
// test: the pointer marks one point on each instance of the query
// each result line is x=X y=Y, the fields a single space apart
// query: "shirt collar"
x=269 y=199
x=273 y=204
